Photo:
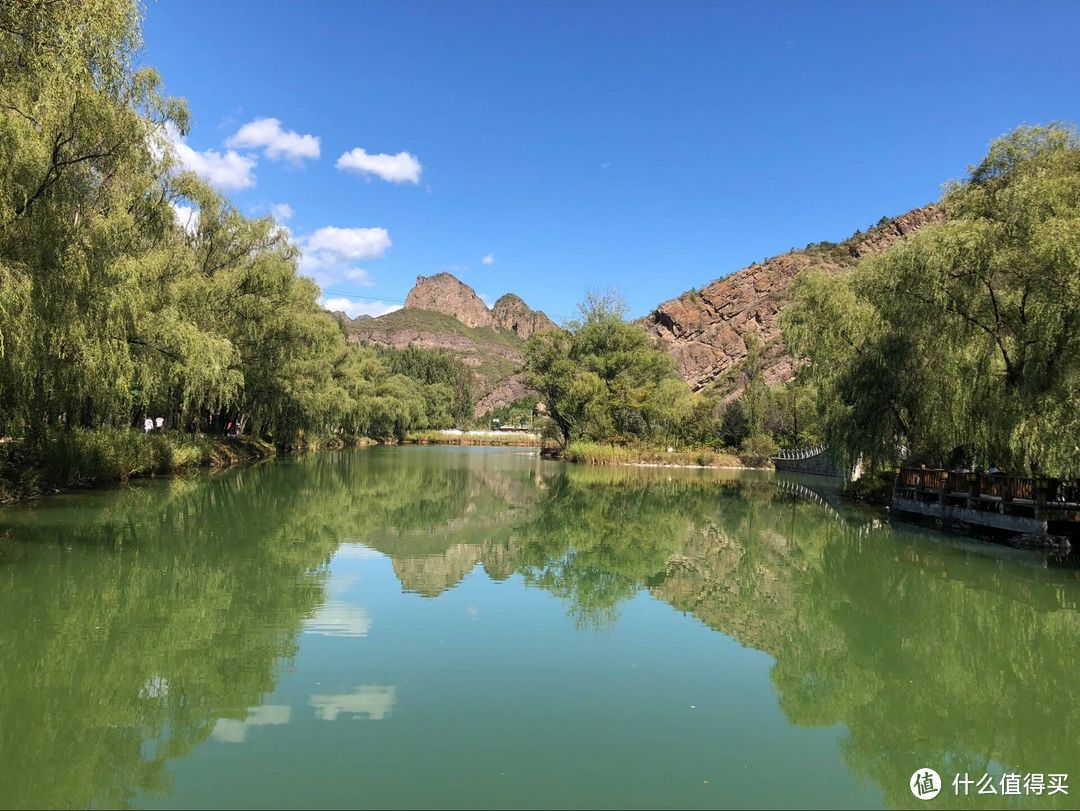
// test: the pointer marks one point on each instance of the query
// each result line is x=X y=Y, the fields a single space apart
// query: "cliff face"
x=705 y=331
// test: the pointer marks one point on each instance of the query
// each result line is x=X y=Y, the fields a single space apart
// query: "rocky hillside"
x=705 y=330
x=442 y=312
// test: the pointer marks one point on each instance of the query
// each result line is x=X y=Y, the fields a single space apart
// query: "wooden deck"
x=1013 y=504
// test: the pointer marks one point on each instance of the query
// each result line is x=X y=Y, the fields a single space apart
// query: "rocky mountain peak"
x=445 y=293
x=511 y=313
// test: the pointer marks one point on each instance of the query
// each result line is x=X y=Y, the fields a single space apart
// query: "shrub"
x=757 y=450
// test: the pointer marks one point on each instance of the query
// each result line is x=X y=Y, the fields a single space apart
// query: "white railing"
x=798 y=454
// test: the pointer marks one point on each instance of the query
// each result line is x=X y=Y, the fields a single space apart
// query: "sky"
x=549 y=149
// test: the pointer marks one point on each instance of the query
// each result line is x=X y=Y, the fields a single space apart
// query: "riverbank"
x=597 y=453
x=83 y=458
x=455 y=437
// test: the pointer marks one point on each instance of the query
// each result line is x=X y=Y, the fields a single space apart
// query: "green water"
x=475 y=627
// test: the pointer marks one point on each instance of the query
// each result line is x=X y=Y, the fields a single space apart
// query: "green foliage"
x=831 y=252
x=494 y=355
x=599 y=453
x=602 y=379
x=80 y=457
x=605 y=385
x=734 y=428
x=452 y=404
x=876 y=488
x=753 y=385
x=966 y=335
x=518 y=413
x=757 y=450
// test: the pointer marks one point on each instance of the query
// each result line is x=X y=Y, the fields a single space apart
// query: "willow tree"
x=602 y=378
x=79 y=203
x=964 y=339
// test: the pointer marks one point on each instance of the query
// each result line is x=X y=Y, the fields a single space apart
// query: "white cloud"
x=329 y=256
x=359 y=276
x=399 y=168
x=281 y=211
x=488 y=260
x=357 y=551
x=484 y=297
x=276 y=143
x=187 y=217
x=228 y=171
x=356 y=244
x=354 y=308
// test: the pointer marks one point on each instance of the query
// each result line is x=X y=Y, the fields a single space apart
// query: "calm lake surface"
x=476 y=627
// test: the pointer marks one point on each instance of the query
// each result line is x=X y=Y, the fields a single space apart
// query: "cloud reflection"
x=336 y=618
x=229 y=730
x=368 y=701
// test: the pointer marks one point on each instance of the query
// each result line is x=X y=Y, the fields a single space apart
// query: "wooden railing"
x=992 y=486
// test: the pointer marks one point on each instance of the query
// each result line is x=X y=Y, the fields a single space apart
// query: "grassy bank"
x=598 y=453
x=63 y=460
x=512 y=440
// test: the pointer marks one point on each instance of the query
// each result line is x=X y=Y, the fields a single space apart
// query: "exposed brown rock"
x=705 y=331
x=445 y=293
x=504 y=393
x=888 y=233
x=513 y=314
x=372 y=332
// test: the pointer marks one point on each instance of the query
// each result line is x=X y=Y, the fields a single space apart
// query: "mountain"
x=445 y=293
x=705 y=330
x=442 y=312
x=511 y=313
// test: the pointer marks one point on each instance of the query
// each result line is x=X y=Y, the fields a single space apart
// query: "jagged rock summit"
x=511 y=313
x=705 y=330
x=445 y=293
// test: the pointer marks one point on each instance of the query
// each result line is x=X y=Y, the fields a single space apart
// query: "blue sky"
x=651 y=147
